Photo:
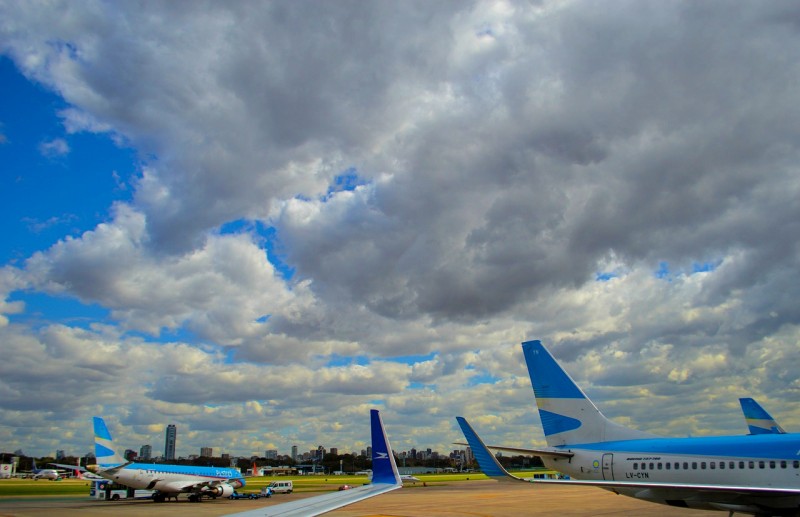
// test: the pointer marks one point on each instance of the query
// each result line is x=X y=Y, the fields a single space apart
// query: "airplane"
x=385 y=478
x=37 y=473
x=755 y=474
x=167 y=480
x=757 y=418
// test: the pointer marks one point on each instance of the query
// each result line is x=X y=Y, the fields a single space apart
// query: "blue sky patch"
x=84 y=172
x=57 y=309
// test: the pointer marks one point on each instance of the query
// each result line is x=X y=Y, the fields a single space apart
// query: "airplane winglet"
x=384 y=468
x=488 y=463
x=385 y=478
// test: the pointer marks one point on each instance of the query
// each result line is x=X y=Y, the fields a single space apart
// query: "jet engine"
x=221 y=490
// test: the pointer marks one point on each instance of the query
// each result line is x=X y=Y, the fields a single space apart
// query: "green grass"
x=27 y=487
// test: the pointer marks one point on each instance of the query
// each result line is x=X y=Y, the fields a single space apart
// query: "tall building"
x=271 y=454
x=146 y=452
x=294 y=453
x=169 y=445
x=207 y=452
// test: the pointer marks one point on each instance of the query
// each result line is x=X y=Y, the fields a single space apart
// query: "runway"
x=474 y=498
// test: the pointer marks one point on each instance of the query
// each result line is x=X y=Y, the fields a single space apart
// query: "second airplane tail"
x=568 y=416
x=104 y=451
x=757 y=418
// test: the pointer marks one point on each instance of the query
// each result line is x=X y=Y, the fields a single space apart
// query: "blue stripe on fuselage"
x=777 y=446
x=189 y=470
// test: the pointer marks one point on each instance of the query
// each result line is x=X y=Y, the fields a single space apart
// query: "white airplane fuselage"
x=211 y=481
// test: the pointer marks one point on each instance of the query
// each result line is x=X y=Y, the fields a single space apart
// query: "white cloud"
x=54 y=148
x=507 y=155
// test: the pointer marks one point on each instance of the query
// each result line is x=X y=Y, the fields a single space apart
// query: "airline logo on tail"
x=104 y=450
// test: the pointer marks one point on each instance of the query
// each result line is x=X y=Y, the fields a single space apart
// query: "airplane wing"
x=322 y=503
x=64 y=466
x=385 y=478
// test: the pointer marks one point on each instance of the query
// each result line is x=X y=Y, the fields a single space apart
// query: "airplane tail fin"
x=757 y=418
x=488 y=463
x=384 y=468
x=104 y=450
x=568 y=416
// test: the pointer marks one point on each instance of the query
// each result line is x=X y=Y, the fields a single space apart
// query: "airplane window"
x=783 y=464
x=703 y=465
x=731 y=465
x=659 y=466
x=721 y=464
x=635 y=466
x=751 y=464
x=694 y=465
x=772 y=464
x=712 y=465
x=685 y=465
x=651 y=467
x=667 y=465
x=677 y=466
x=741 y=464
x=796 y=464
x=761 y=464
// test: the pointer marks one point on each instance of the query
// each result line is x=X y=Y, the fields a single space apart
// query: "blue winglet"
x=488 y=463
x=384 y=468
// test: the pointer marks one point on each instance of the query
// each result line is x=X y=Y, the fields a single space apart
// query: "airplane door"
x=608 y=467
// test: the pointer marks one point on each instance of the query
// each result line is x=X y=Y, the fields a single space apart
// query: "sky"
x=258 y=220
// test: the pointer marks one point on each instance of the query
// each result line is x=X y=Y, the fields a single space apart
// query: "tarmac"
x=474 y=498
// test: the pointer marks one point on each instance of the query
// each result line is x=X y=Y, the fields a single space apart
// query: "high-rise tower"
x=169 y=445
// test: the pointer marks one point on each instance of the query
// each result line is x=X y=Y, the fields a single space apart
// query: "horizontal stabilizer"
x=549 y=452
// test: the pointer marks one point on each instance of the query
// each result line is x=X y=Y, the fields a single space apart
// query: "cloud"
x=522 y=171
x=54 y=148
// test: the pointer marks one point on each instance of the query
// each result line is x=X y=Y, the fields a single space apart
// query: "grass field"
x=69 y=487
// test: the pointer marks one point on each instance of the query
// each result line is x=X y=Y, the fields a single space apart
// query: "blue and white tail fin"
x=104 y=451
x=568 y=416
x=757 y=418
x=384 y=468
x=488 y=463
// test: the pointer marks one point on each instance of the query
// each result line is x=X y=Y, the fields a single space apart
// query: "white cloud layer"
x=523 y=171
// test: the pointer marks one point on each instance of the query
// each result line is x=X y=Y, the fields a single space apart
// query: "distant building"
x=169 y=445
x=146 y=452
x=130 y=455
x=294 y=453
x=271 y=454
x=60 y=454
x=207 y=452
x=334 y=451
